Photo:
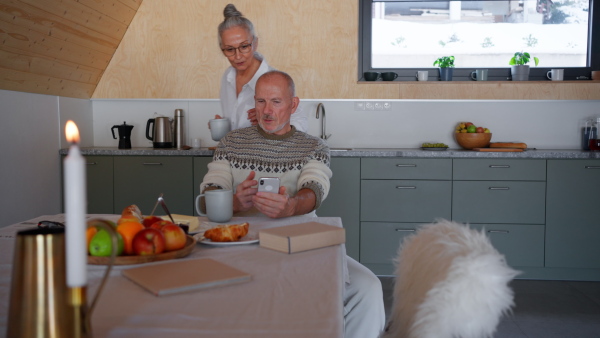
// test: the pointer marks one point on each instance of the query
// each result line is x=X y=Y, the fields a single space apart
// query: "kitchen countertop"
x=362 y=152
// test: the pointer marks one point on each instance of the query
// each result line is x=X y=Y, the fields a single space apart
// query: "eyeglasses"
x=243 y=49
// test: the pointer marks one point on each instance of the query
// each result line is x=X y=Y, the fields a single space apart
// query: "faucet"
x=321 y=107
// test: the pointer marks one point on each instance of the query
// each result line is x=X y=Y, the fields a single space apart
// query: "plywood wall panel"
x=24 y=61
x=78 y=13
x=21 y=38
x=37 y=20
x=33 y=83
x=171 y=51
x=111 y=8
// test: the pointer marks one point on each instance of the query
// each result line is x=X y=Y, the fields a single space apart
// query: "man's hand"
x=252 y=116
x=281 y=205
x=242 y=200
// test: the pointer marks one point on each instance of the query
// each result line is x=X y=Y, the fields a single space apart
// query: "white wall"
x=30 y=134
x=540 y=124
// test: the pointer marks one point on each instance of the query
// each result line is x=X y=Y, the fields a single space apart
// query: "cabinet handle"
x=592 y=167
x=405 y=165
x=405 y=230
x=405 y=187
x=498 y=231
x=499 y=166
x=499 y=188
x=152 y=163
x=91 y=163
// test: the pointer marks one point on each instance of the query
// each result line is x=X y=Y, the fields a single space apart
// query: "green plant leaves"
x=444 y=62
x=521 y=58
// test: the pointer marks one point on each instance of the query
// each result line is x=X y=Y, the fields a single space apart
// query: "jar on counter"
x=586 y=129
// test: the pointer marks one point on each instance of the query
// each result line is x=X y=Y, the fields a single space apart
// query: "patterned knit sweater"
x=298 y=159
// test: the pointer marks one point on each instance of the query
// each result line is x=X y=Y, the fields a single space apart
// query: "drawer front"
x=499 y=169
x=99 y=176
x=406 y=168
x=498 y=202
x=140 y=179
x=405 y=200
x=379 y=242
x=521 y=244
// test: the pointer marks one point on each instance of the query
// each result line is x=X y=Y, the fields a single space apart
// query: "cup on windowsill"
x=371 y=76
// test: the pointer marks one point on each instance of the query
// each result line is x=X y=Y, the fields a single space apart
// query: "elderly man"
x=274 y=148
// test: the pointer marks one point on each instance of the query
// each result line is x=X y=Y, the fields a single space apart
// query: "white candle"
x=75 y=209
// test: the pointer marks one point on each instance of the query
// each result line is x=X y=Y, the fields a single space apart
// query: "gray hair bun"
x=231 y=11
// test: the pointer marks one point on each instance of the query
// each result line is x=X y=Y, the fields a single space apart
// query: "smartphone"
x=269 y=184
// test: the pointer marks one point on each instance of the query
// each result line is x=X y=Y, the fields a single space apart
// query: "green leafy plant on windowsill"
x=522 y=58
x=444 y=62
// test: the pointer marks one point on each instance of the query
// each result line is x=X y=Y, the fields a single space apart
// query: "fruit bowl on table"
x=128 y=260
x=473 y=140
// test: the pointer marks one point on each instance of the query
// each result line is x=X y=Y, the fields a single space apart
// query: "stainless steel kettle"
x=162 y=132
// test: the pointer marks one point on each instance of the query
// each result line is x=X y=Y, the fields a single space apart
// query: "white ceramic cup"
x=196 y=143
x=422 y=75
x=479 y=75
x=219 y=205
x=219 y=128
x=555 y=74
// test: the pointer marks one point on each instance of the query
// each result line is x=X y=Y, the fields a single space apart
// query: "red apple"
x=148 y=241
x=175 y=237
x=149 y=220
x=479 y=129
x=158 y=225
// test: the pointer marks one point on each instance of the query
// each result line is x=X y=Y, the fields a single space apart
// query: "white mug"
x=555 y=74
x=479 y=75
x=422 y=75
x=219 y=128
x=196 y=143
x=219 y=205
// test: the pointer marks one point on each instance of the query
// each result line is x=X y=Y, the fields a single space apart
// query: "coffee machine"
x=124 y=135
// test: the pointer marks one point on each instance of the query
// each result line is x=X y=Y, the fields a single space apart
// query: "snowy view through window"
x=479 y=33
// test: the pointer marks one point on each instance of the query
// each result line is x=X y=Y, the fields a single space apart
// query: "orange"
x=128 y=231
x=89 y=233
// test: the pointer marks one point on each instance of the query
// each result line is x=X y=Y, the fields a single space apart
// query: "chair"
x=450 y=283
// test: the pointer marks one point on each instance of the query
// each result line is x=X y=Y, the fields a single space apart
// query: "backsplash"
x=407 y=124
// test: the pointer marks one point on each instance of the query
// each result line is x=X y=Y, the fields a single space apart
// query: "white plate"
x=250 y=238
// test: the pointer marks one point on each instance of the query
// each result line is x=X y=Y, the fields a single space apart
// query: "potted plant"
x=446 y=64
x=519 y=69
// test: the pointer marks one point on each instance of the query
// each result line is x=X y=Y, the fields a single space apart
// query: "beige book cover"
x=301 y=237
x=185 y=276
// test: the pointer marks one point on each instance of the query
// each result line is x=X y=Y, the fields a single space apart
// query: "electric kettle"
x=162 y=132
x=124 y=135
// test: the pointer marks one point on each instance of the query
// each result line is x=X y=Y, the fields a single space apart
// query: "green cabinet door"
x=141 y=179
x=344 y=200
x=99 y=176
x=572 y=217
x=200 y=169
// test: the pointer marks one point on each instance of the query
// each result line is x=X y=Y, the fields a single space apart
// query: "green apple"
x=101 y=244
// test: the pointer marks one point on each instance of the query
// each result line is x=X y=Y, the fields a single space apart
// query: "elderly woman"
x=239 y=43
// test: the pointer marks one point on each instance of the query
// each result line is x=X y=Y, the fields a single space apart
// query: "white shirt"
x=235 y=108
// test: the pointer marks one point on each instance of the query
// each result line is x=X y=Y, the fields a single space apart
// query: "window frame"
x=536 y=73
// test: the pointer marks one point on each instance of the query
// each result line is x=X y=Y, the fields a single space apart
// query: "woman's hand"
x=252 y=116
x=242 y=200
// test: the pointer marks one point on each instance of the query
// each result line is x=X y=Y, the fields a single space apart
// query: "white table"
x=298 y=295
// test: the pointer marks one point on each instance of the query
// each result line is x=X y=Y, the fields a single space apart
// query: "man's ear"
x=295 y=103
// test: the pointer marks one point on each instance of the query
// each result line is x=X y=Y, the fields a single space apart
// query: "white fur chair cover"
x=450 y=282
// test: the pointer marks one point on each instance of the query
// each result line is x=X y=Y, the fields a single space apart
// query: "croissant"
x=227 y=233
x=131 y=213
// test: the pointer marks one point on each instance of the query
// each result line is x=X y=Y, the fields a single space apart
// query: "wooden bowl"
x=473 y=140
x=127 y=260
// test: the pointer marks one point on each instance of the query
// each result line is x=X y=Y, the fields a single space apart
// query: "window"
x=406 y=36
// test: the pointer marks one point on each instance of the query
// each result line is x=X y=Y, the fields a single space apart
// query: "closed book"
x=301 y=237
x=185 y=276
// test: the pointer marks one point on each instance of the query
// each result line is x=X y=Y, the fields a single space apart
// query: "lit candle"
x=75 y=210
